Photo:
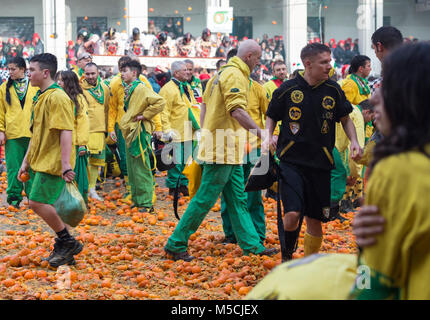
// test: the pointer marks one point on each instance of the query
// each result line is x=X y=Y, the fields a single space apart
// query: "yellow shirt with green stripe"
x=399 y=262
x=82 y=123
x=145 y=102
x=53 y=112
x=257 y=107
x=14 y=119
x=175 y=114
x=225 y=93
x=116 y=104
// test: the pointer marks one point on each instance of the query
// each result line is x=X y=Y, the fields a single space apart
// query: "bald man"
x=221 y=154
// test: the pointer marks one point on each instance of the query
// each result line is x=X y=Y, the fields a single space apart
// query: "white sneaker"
x=93 y=194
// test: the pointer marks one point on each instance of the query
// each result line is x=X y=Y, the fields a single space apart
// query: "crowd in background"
x=169 y=41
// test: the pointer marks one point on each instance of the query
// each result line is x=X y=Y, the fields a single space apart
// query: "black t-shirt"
x=308 y=116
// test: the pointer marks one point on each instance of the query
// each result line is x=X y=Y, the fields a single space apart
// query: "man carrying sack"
x=51 y=154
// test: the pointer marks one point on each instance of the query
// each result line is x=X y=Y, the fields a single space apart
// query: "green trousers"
x=140 y=176
x=15 y=150
x=216 y=179
x=181 y=152
x=254 y=202
x=338 y=177
x=121 y=149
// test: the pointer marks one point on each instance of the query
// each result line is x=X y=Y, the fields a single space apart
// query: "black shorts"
x=305 y=190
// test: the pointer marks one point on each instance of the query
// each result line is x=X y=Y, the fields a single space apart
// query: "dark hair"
x=71 y=86
x=232 y=53
x=134 y=66
x=46 y=61
x=123 y=60
x=278 y=63
x=20 y=63
x=295 y=73
x=357 y=62
x=313 y=49
x=406 y=101
x=91 y=64
x=389 y=37
x=218 y=63
x=366 y=105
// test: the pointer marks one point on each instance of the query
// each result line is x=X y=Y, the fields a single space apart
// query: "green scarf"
x=128 y=90
x=21 y=87
x=182 y=86
x=195 y=82
x=81 y=72
x=98 y=92
x=362 y=84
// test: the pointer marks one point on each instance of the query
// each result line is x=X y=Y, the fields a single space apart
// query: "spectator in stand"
x=28 y=51
x=151 y=28
x=339 y=54
x=355 y=47
x=95 y=29
x=267 y=55
x=111 y=44
x=224 y=48
x=160 y=46
x=37 y=44
x=71 y=54
x=135 y=46
x=185 y=46
x=204 y=44
x=348 y=53
x=170 y=27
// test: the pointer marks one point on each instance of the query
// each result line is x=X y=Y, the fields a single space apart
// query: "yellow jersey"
x=222 y=137
x=53 y=112
x=14 y=119
x=399 y=262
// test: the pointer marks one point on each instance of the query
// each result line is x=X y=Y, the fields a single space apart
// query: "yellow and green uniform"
x=116 y=112
x=257 y=107
x=81 y=139
x=316 y=277
x=143 y=101
x=356 y=91
x=197 y=88
x=15 y=124
x=176 y=117
x=98 y=106
x=222 y=159
x=80 y=73
x=53 y=112
x=399 y=262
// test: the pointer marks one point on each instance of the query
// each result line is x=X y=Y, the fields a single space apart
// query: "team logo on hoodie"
x=297 y=96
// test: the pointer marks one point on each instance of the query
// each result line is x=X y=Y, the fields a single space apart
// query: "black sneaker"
x=64 y=252
x=147 y=210
x=179 y=255
x=228 y=240
x=16 y=203
x=268 y=252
